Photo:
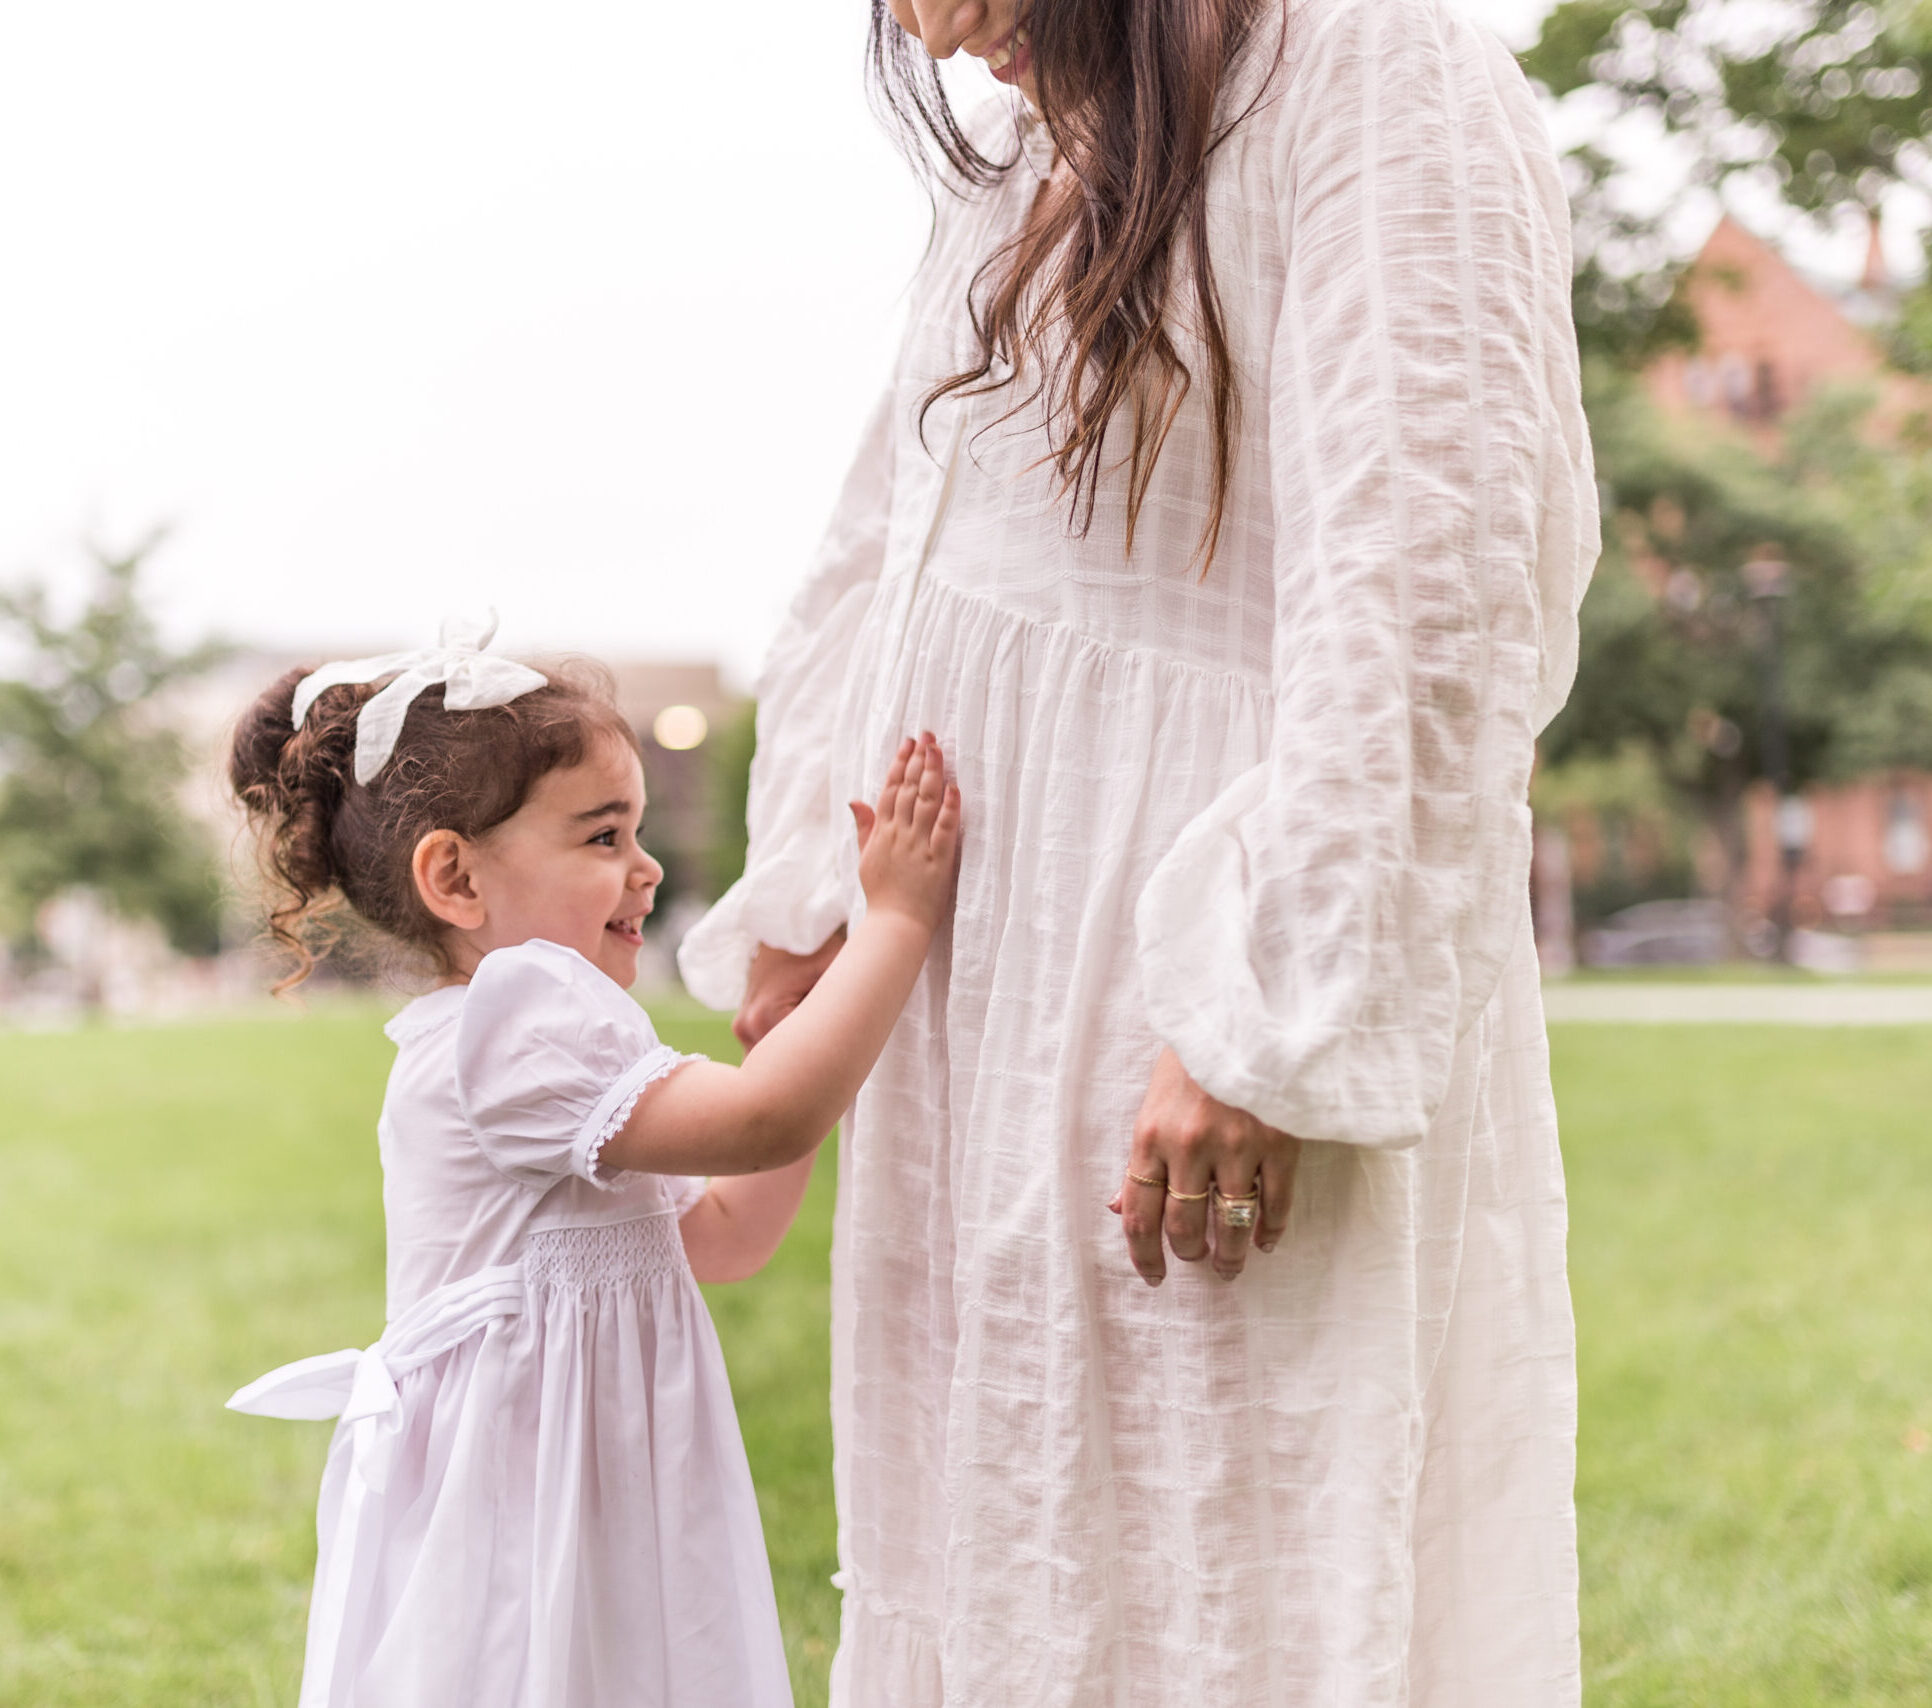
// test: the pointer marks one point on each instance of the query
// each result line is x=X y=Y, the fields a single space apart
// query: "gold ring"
x=1240 y=1210
x=1163 y=1186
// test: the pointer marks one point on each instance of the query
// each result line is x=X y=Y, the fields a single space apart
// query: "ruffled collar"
x=432 y=1009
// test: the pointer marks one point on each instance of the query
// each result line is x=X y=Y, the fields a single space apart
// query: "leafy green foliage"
x=1671 y=679
x=1824 y=104
x=89 y=779
x=1637 y=822
x=1673 y=642
x=1825 y=99
x=729 y=757
x=1625 y=293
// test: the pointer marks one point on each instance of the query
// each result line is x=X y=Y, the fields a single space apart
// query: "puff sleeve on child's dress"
x=551 y=1058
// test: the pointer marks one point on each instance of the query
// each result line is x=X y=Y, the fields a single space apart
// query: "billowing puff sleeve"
x=793 y=895
x=1319 y=938
x=551 y=1057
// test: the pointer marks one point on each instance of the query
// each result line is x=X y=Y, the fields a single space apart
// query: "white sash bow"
x=359 y=1387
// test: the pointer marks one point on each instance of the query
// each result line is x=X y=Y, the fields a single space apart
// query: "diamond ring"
x=1240 y=1212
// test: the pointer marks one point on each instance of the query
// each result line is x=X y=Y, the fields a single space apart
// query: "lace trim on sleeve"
x=615 y=1110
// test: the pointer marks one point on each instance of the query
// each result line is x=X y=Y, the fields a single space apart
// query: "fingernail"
x=1264 y=1245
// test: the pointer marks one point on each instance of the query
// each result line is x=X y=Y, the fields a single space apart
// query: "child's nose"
x=650 y=872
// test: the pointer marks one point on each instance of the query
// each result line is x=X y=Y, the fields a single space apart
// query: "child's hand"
x=909 y=845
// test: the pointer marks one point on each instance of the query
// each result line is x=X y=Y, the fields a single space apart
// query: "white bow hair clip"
x=471 y=681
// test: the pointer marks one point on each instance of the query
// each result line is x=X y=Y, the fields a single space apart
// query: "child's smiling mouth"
x=629 y=930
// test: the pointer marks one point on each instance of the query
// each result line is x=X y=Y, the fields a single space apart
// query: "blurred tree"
x=1820 y=104
x=731 y=750
x=1822 y=107
x=1637 y=831
x=1672 y=645
x=89 y=779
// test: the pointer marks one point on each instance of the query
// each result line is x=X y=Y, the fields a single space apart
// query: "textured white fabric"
x=550 y=1059
x=1274 y=816
x=537 y=1496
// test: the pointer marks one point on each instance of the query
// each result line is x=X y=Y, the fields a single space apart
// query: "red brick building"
x=1868 y=857
x=1770 y=337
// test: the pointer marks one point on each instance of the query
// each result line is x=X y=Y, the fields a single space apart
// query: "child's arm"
x=731 y=1232
x=707 y=1118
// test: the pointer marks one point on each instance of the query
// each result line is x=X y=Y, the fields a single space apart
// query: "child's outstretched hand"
x=909 y=844
x=770 y=1113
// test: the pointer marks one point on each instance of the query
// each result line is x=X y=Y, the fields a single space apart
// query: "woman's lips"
x=1015 y=68
x=1010 y=60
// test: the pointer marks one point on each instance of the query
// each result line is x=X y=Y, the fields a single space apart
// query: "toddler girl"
x=536 y=1495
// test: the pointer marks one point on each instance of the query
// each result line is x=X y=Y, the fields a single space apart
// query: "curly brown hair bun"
x=327 y=839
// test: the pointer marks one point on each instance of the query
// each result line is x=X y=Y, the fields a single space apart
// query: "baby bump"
x=1079 y=764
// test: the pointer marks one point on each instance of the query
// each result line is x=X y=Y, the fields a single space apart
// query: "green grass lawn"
x=184 y=1207
x=1751 y=1254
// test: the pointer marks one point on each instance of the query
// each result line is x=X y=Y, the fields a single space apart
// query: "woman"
x=1227 y=516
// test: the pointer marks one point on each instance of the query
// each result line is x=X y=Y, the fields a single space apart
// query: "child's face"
x=567 y=867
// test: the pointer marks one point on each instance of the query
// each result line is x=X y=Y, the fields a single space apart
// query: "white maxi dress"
x=537 y=1496
x=1273 y=816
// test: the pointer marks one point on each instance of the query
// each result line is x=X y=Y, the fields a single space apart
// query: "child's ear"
x=441 y=867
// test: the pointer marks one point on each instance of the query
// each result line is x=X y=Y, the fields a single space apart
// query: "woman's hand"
x=778 y=983
x=1192 y=1155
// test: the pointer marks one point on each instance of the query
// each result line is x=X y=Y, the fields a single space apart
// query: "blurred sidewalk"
x=1752 y=1004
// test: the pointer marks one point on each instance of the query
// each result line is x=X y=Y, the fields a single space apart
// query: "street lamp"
x=1767 y=580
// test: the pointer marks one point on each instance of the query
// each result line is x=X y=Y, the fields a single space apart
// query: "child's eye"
x=605 y=839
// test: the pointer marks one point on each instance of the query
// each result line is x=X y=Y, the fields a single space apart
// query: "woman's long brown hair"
x=1083 y=298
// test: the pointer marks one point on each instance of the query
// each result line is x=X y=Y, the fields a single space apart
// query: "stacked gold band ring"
x=1238 y=1210
x=1178 y=1197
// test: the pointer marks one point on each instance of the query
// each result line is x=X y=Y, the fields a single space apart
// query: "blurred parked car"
x=1684 y=933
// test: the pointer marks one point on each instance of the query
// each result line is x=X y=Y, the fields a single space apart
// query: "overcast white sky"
x=398 y=308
